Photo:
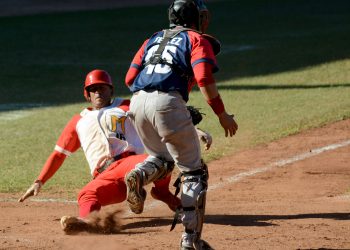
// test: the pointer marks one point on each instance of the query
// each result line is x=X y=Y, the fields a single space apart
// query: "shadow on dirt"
x=267 y=220
x=148 y=222
x=237 y=220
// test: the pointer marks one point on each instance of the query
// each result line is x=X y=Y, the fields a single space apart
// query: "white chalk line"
x=15 y=111
x=231 y=179
x=236 y=48
x=15 y=115
x=277 y=164
x=40 y=200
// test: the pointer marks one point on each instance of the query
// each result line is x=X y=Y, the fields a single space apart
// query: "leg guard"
x=150 y=170
x=193 y=197
x=153 y=169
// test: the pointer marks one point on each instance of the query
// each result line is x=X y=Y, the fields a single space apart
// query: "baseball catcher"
x=161 y=75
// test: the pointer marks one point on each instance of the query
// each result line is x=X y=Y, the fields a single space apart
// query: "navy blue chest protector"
x=156 y=58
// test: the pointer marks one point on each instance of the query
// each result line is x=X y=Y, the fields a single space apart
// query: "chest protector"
x=169 y=34
x=156 y=58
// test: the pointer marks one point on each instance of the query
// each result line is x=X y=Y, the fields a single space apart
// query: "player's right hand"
x=228 y=123
x=34 y=189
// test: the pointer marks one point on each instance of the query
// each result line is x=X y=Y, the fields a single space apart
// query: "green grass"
x=284 y=68
x=266 y=112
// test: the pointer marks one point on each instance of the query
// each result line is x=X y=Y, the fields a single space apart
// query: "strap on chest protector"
x=156 y=58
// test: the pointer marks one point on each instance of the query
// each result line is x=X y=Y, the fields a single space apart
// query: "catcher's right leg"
x=193 y=197
x=148 y=171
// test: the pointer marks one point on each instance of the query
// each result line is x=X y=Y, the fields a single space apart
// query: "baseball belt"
x=109 y=162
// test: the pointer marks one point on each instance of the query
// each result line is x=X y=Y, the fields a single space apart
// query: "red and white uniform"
x=102 y=134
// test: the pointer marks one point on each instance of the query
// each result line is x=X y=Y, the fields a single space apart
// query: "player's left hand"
x=34 y=189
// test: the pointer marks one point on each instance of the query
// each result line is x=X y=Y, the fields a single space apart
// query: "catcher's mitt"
x=195 y=114
x=215 y=43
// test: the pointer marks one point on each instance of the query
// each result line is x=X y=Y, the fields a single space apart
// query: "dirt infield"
x=289 y=194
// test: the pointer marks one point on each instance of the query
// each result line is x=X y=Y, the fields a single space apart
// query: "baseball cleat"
x=72 y=224
x=167 y=197
x=187 y=241
x=136 y=194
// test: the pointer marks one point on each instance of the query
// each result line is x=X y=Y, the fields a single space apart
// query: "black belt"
x=115 y=158
x=123 y=155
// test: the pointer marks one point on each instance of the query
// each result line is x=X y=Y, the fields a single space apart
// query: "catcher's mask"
x=188 y=13
x=96 y=76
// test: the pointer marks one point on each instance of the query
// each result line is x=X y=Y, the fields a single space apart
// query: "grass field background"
x=284 y=67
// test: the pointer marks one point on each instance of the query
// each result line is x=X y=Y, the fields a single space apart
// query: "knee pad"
x=193 y=198
x=153 y=169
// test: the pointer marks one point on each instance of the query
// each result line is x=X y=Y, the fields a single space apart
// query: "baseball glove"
x=195 y=114
x=215 y=43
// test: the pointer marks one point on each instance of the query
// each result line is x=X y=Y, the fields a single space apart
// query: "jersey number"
x=160 y=68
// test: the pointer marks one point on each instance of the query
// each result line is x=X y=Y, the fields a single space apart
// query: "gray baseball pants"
x=167 y=132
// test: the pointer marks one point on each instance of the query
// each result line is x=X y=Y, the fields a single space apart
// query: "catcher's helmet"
x=189 y=12
x=97 y=76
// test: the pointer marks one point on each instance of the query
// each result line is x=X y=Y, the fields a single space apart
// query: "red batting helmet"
x=97 y=76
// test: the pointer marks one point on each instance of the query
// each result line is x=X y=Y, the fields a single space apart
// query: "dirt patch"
x=298 y=204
